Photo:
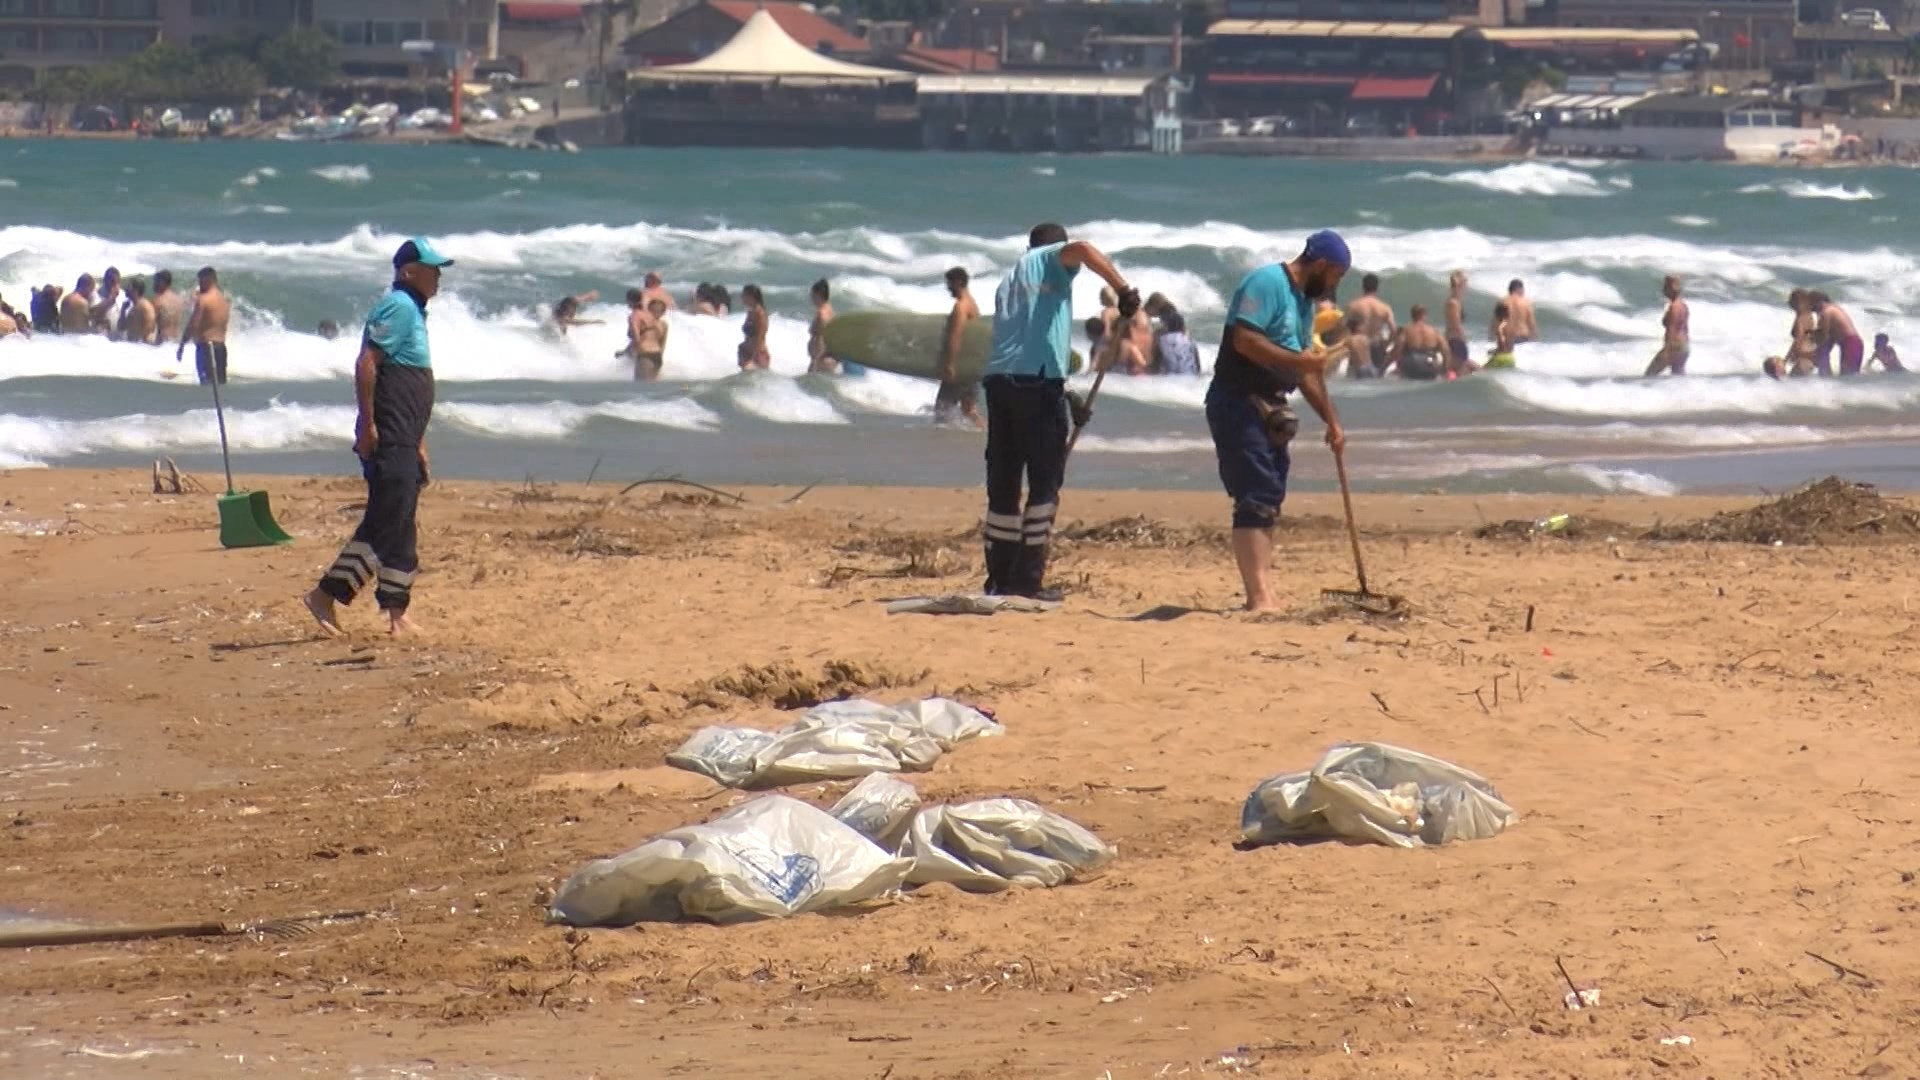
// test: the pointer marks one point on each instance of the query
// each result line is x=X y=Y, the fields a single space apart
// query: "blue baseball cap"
x=419 y=250
x=1327 y=246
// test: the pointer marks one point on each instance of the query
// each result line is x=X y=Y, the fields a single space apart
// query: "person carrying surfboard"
x=1027 y=413
x=954 y=395
x=1266 y=353
x=393 y=381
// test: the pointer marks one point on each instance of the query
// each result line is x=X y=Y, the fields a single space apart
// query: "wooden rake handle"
x=1353 y=531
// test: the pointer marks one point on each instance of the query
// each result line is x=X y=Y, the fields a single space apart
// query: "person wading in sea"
x=1266 y=353
x=955 y=396
x=1027 y=412
x=393 y=382
x=1676 y=346
x=207 y=329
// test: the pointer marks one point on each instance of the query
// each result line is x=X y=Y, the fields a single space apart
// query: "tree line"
x=226 y=71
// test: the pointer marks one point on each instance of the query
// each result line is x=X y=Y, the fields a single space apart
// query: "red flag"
x=1742 y=41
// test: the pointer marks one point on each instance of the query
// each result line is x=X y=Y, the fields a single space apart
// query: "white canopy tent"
x=762 y=51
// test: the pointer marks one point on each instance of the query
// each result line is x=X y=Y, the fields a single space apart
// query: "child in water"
x=1502 y=330
x=1884 y=355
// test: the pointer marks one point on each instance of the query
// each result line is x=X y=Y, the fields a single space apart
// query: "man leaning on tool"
x=1266 y=353
x=1027 y=414
x=393 y=380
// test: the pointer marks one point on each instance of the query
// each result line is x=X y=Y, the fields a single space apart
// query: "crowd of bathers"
x=119 y=309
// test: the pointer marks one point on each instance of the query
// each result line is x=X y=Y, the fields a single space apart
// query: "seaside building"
x=39 y=37
x=382 y=37
x=1695 y=127
x=1055 y=35
x=1470 y=12
x=1749 y=33
x=698 y=31
x=1068 y=112
x=1315 y=78
x=763 y=88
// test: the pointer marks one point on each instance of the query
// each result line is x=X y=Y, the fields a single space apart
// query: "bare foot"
x=320 y=606
x=398 y=624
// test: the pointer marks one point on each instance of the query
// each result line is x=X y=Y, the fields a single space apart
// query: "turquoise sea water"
x=303 y=233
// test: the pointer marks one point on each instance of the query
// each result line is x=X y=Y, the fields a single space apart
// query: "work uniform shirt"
x=1269 y=302
x=1033 y=314
x=403 y=385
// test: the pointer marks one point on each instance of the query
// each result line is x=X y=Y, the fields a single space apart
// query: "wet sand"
x=1709 y=744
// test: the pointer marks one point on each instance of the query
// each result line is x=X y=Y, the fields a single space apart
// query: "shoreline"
x=181 y=745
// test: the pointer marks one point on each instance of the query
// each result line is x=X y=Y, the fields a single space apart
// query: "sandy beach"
x=1707 y=743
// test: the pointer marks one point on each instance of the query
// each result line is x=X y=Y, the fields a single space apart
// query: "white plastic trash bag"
x=994 y=844
x=768 y=858
x=840 y=740
x=1377 y=794
x=879 y=809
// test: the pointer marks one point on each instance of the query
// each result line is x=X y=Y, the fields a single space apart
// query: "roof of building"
x=764 y=50
x=522 y=12
x=944 y=61
x=1382 y=88
x=1044 y=85
x=800 y=21
x=1854 y=35
x=1585 y=35
x=1581 y=102
x=1429 y=31
x=1701 y=103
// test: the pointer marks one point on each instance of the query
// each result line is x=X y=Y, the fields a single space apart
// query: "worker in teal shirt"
x=1027 y=414
x=1266 y=353
x=393 y=383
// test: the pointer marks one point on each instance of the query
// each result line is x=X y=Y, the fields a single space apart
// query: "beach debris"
x=769 y=858
x=777 y=856
x=1668 y=1040
x=1374 y=793
x=840 y=740
x=1561 y=526
x=968 y=604
x=1581 y=999
x=1139 y=531
x=1829 y=511
x=785 y=686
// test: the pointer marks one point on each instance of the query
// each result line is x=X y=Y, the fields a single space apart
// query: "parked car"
x=94 y=118
x=1865 y=19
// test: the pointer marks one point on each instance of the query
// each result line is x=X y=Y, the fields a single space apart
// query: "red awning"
x=1263 y=78
x=1377 y=89
x=541 y=13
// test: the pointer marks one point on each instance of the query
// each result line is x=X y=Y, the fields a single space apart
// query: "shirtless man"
x=1459 y=360
x=169 y=309
x=1520 y=313
x=818 y=362
x=954 y=395
x=653 y=290
x=1359 y=347
x=1804 y=348
x=1376 y=316
x=76 y=308
x=1676 y=345
x=1837 y=331
x=1418 y=352
x=207 y=329
x=138 y=326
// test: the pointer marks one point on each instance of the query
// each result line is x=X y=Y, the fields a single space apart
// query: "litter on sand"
x=777 y=856
x=968 y=604
x=840 y=740
x=1373 y=793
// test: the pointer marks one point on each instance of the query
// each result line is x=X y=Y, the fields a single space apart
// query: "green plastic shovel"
x=246 y=517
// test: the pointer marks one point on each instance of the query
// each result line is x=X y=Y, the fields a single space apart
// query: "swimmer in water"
x=1502 y=332
x=818 y=362
x=753 y=332
x=1418 y=353
x=1676 y=345
x=1884 y=355
x=1520 y=311
x=566 y=312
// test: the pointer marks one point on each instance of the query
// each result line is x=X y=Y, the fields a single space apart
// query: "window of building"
x=71 y=39
x=200 y=41
x=381 y=33
x=272 y=9
x=353 y=33
x=132 y=9
x=16 y=7
x=73 y=9
x=409 y=31
x=129 y=41
x=329 y=28
x=477 y=35
x=438 y=30
x=19 y=39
